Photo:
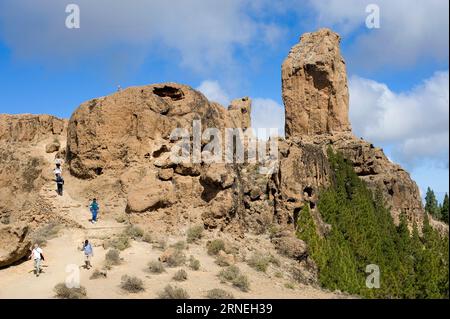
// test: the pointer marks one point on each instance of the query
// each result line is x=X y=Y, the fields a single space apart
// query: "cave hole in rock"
x=297 y=211
x=169 y=91
x=308 y=190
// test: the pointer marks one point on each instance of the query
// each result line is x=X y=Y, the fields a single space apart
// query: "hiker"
x=58 y=170
x=88 y=254
x=94 y=210
x=36 y=254
x=59 y=184
x=58 y=161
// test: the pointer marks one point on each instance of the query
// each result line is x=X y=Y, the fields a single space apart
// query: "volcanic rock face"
x=27 y=128
x=135 y=124
x=315 y=91
x=22 y=175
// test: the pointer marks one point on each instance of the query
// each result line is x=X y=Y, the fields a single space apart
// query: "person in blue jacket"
x=94 y=210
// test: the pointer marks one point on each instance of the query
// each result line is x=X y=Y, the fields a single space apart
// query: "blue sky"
x=398 y=74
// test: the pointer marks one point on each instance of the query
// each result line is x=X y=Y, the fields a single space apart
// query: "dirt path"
x=62 y=252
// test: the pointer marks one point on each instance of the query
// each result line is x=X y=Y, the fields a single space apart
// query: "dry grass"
x=259 y=262
x=112 y=257
x=132 y=284
x=148 y=237
x=121 y=242
x=171 y=292
x=215 y=246
x=194 y=263
x=178 y=258
x=233 y=275
x=98 y=274
x=63 y=292
x=156 y=267
x=181 y=245
x=180 y=275
x=219 y=294
x=133 y=232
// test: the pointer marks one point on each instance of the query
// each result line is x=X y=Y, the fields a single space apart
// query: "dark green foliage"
x=444 y=209
x=431 y=204
x=363 y=233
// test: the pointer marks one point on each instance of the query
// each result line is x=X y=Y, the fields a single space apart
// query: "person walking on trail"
x=59 y=184
x=94 y=210
x=88 y=254
x=58 y=170
x=37 y=256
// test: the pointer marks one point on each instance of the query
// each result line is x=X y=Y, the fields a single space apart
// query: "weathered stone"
x=52 y=147
x=315 y=91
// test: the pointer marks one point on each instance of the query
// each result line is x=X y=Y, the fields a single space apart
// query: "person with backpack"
x=94 y=207
x=88 y=254
x=59 y=184
x=37 y=256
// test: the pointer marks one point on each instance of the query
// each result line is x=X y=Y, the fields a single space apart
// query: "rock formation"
x=118 y=149
x=314 y=82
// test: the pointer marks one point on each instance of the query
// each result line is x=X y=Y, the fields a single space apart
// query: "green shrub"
x=132 y=284
x=180 y=275
x=242 y=283
x=233 y=274
x=194 y=233
x=289 y=285
x=215 y=246
x=218 y=294
x=170 y=292
x=63 y=292
x=194 y=263
x=229 y=273
x=156 y=267
x=259 y=262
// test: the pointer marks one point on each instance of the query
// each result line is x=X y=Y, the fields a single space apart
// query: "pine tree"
x=363 y=232
x=444 y=209
x=431 y=204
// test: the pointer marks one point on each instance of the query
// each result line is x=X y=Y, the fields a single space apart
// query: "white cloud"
x=409 y=30
x=213 y=91
x=415 y=122
x=198 y=34
x=266 y=113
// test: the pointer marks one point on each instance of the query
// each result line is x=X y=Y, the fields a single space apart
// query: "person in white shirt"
x=37 y=256
x=57 y=170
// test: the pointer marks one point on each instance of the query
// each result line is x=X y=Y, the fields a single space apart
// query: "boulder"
x=14 y=244
x=52 y=147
